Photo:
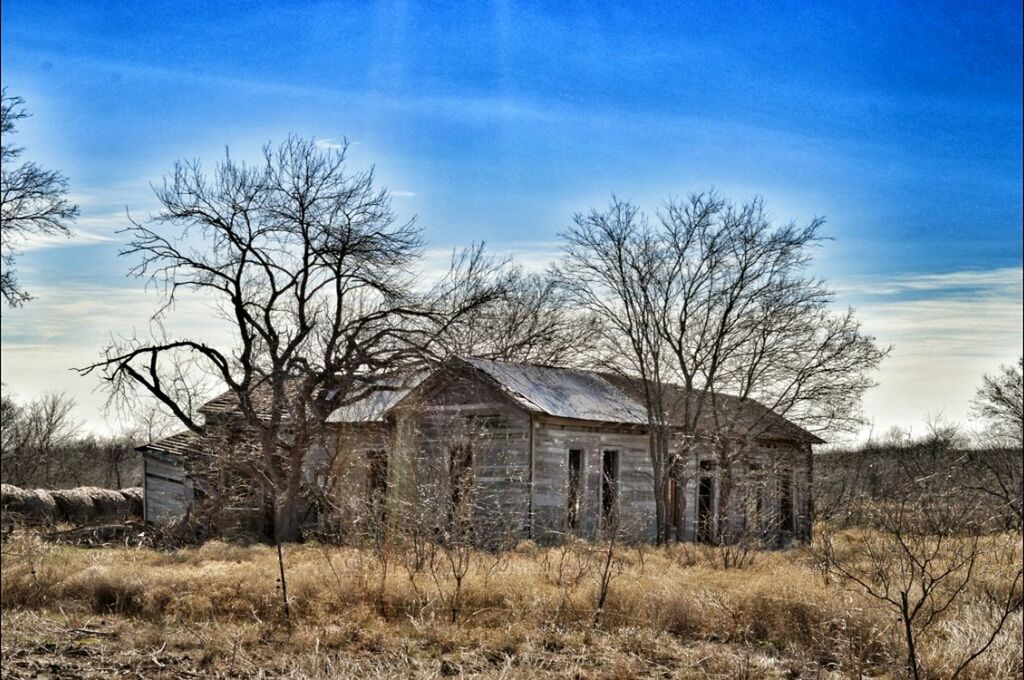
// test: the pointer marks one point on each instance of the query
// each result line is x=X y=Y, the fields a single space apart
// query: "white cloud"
x=329 y=143
x=990 y=281
x=78 y=237
x=946 y=329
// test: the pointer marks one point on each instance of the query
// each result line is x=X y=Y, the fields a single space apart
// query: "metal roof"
x=373 y=407
x=562 y=392
x=604 y=397
x=559 y=392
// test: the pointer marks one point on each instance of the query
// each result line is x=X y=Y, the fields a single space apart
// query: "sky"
x=900 y=123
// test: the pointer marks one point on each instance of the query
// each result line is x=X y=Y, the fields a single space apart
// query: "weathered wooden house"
x=542 y=452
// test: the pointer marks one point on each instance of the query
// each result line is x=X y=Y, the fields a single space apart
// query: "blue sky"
x=901 y=123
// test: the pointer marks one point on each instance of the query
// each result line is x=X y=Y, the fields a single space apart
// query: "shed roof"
x=735 y=413
x=179 y=444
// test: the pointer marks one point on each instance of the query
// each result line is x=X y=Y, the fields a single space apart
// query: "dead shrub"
x=117 y=596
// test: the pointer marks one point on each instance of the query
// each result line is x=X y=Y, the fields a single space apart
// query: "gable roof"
x=610 y=398
x=562 y=392
x=559 y=392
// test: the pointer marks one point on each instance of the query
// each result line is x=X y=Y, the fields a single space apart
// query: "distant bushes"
x=852 y=485
x=44 y=445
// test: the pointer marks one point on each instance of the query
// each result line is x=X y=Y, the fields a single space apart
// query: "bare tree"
x=38 y=440
x=43 y=445
x=713 y=313
x=33 y=200
x=612 y=264
x=1000 y=404
x=532 y=321
x=309 y=269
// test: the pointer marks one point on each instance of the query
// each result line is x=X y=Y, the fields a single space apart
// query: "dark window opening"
x=673 y=498
x=755 y=500
x=609 y=487
x=705 y=499
x=785 y=502
x=460 y=478
x=572 y=520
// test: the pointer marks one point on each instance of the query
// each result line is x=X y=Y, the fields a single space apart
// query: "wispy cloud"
x=78 y=237
x=946 y=331
x=986 y=283
x=330 y=144
x=67 y=326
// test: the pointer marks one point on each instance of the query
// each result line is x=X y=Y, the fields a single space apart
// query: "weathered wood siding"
x=343 y=470
x=166 y=492
x=459 y=410
x=756 y=497
x=553 y=439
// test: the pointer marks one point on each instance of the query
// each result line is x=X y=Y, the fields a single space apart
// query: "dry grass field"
x=216 y=610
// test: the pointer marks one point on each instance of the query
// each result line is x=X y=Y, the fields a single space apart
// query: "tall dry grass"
x=780 y=613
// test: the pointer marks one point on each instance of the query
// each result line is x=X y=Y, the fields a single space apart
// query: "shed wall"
x=166 y=492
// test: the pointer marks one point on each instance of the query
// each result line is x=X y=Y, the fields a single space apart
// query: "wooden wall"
x=460 y=410
x=757 y=474
x=511 y=450
x=166 y=493
x=553 y=439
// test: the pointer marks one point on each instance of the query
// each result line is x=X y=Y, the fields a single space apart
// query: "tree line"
x=43 y=445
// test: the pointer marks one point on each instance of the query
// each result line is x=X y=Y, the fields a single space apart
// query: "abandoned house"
x=543 y=452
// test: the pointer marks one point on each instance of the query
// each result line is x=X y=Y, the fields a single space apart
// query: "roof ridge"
x=521 y=364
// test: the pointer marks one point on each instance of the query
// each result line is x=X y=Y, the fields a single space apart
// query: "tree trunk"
x=289 y=510
x=680 y=496
x=724 y=500
x=908 y=630
x=287 y=518
x=659 y=502
x=660 y=458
